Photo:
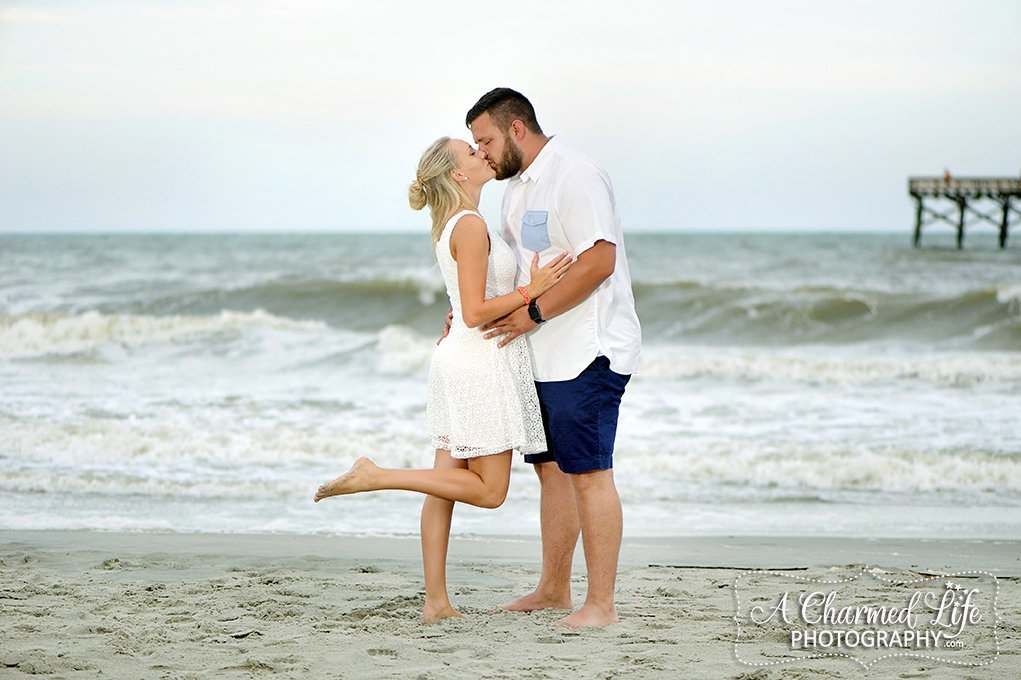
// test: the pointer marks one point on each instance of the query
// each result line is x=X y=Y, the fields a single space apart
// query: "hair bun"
x=416 y=195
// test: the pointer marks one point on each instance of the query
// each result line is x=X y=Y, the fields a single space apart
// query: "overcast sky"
x=311 y=114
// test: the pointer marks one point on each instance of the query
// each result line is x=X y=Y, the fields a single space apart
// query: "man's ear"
x=517 y=130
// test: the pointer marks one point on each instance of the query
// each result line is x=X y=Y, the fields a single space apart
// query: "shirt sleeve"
x=585 y=207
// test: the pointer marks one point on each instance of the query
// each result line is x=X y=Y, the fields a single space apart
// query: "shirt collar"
x=541 y=161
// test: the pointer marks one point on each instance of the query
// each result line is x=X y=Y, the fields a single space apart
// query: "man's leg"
x=601 y=530
x=560 y=525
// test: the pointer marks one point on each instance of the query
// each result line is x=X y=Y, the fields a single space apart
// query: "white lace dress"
x=481 y=397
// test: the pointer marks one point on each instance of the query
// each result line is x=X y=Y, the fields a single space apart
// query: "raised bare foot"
x=352 y=481
x=589 y=616
x=535 y=601
x=430 y=615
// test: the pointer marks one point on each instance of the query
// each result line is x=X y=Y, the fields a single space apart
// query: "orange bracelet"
x=524 y=294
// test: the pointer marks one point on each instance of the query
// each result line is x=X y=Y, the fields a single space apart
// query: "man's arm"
x=447 y=325
x=590 y=269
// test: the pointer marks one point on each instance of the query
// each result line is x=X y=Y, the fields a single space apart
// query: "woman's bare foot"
x=588 y=616
x=432 y=615
x=535 y=601
x=358 y=478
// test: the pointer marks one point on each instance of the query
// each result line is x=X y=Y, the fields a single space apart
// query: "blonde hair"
x=433 y=186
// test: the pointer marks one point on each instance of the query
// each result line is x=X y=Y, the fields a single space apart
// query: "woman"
x=482 y=402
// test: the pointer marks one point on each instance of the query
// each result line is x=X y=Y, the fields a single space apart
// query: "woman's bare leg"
x=436 y=515
x=483 y=483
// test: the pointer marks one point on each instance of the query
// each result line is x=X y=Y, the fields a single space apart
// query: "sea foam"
x=40 y=334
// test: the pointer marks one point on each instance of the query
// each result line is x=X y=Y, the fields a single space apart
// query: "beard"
x=510 y=161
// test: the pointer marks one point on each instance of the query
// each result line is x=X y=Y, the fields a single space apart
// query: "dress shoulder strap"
x=453 y=220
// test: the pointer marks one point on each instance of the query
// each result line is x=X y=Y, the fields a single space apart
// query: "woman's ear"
x=458 y=176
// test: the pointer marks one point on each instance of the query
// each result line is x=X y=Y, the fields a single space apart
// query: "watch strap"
x=534 y=313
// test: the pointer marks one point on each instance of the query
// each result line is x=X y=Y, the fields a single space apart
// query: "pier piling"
x=968 y=194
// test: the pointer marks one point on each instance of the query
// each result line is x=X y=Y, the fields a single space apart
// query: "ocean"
x=795 y=384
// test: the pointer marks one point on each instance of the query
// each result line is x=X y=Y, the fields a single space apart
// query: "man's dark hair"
x=505 y=106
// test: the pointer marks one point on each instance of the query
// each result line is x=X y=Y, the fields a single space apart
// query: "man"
x=585 y=339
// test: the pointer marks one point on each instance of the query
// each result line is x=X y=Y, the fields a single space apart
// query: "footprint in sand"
x=383 y=652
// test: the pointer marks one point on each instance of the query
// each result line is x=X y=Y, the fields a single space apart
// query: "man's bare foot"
x=535 y=601
x=430 y=615
x=354 y=480
x=589 y=616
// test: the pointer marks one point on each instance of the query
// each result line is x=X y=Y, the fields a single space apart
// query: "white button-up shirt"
x=563 y=202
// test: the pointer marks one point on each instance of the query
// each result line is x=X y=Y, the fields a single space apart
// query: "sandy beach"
x=147 y=605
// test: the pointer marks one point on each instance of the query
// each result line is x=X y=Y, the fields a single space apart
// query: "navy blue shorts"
x=580 y=418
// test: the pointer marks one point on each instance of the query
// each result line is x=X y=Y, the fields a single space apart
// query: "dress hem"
x=487 y=451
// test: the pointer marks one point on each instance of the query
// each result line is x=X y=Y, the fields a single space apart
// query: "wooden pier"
x=973 y=197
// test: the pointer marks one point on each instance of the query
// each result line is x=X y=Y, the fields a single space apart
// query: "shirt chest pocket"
x=535 y=230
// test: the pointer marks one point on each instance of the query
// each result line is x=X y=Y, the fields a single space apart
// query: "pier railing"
x=972 y=197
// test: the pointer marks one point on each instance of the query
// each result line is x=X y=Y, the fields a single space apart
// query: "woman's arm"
x=469 y=246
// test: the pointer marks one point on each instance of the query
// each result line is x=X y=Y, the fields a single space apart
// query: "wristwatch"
x=534 y=313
